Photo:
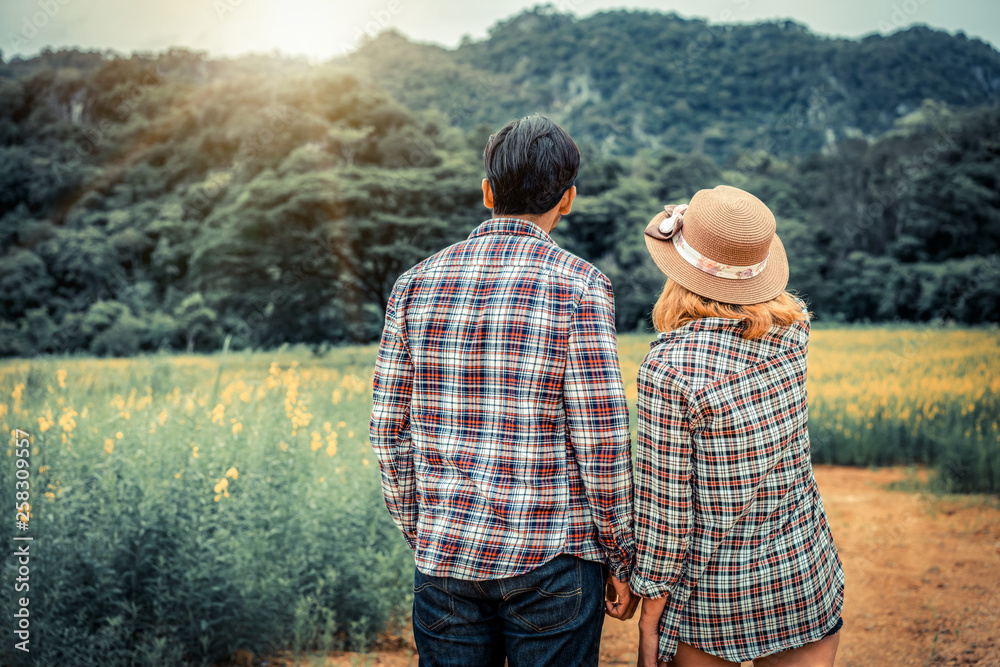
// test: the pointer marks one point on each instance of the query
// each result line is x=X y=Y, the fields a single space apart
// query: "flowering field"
x=883 y=396
x=182 y=511
x=187 y=507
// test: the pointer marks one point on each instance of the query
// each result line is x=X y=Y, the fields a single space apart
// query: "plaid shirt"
x=728 y=518
x=499 y=420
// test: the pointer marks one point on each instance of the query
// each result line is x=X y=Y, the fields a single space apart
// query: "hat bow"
x=669 y=226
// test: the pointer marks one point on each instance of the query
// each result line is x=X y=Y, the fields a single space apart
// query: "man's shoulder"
x=536 y=252
x=428 y=262
x=576 y=267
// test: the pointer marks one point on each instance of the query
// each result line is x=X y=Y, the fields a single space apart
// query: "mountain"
x=627 y=80
x=176 y=201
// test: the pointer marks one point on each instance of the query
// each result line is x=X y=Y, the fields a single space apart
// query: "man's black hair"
x=530 y=163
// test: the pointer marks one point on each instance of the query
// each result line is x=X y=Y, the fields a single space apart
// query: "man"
x=501 y=427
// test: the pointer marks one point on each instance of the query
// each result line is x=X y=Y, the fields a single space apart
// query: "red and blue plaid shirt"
x=728 y=519
x=499 y=420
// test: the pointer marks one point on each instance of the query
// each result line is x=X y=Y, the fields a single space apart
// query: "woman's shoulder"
x=669 y=360
x=711 y=348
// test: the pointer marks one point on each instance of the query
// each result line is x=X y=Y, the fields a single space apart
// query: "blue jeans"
x=552 y=615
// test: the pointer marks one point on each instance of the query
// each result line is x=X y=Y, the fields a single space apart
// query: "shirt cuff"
x=648 y=588
x=411 y=541
x=622 y=569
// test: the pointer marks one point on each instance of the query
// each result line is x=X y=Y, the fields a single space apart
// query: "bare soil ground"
x=922 y=579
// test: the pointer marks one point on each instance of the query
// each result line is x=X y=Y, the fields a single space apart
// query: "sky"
x=321 y=29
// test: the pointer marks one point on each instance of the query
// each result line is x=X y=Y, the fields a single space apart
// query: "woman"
x=735 y=557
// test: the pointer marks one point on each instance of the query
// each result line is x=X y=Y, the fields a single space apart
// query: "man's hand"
x=619 y=602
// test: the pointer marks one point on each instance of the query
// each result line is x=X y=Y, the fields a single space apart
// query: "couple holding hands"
x=502 y=434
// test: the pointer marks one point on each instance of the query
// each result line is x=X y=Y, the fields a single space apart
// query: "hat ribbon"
x=702 y=263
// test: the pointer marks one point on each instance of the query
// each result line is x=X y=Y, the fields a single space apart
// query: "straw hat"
x=721 y=246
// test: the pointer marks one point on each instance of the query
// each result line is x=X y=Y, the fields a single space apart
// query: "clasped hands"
x=619 y=601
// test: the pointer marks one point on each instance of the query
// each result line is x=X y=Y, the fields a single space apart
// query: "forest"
x=172 y=201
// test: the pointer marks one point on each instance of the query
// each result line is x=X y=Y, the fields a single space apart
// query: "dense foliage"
x=634 y=79
x=171 y=201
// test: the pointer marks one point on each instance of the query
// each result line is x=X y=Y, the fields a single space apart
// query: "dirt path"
x=922 y=576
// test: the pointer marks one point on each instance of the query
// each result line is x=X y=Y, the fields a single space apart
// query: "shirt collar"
x=708 y=323
x=700 y=324
x=510 y=226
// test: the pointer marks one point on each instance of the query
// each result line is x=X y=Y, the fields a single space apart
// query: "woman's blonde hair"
x=677 y=306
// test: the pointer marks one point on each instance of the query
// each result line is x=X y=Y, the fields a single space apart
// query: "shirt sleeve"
x=389 y=432
x=663 y=506
x=597 y=422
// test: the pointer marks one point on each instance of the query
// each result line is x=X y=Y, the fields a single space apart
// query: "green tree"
x=195 y=319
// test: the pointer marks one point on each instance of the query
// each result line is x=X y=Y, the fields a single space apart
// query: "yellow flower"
x=350 y=434
x=61 y=375
x=364 y=462
x=337 y=395
x=221 y=485
x=50 y=495
x=67 y=421
x=217 y=496
x=326 y=426
x=194 y=452
x=332 y=449
x=162 y=417
x=283 y=446
x=177 y=476
x=353 y=384
x=218 y=414
x=237 y=427
x=42 y=470
x=233 y=472
x=119 y=435
x=109 y=445
x=341 y=424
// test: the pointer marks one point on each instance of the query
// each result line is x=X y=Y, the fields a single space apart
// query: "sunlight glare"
x=312 y=28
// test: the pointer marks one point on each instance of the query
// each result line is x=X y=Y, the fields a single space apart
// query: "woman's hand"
x=649 y=631
x=649 y=643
